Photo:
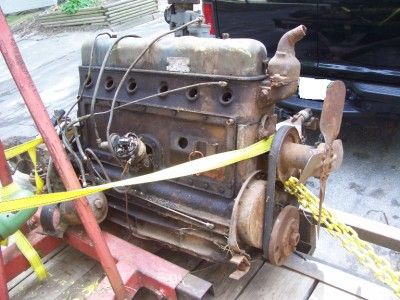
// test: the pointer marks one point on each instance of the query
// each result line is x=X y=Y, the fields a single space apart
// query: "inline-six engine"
x=149 y=104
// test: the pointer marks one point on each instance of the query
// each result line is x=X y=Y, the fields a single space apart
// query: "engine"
x=149 y=104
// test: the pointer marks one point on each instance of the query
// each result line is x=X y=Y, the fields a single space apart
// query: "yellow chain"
x=349 y=238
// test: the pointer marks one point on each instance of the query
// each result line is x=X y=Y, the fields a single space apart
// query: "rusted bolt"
x=265 y=91
x=230 y=122
x=98 y=204
x=205 y=185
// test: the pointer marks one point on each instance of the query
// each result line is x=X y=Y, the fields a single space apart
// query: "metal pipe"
x=5 y=179
x=3 y=280
x=5 y=174
x=63 y=166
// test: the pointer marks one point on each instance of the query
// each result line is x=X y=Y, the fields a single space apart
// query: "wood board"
x=74 y=276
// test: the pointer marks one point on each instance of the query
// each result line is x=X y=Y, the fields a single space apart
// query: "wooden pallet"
x=108 y=15
x=73 y=276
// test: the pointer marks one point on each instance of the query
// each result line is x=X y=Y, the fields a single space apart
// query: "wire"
x=219 y=83
x=199 y=19
x=64 y=130
x=76 y=158
x=48 y=175
x=96 y=158
x=96 y=88
x=85 y=117
x=88 y=76
x=78 y=143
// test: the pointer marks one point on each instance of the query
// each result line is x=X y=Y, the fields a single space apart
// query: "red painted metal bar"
x=138 y=267
x=63 y=166
x=5 y=179
x=3 y=280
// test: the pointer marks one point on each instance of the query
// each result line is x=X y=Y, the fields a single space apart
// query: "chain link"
x=349 y=238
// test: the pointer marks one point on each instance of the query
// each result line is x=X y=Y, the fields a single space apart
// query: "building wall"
x=14 y=6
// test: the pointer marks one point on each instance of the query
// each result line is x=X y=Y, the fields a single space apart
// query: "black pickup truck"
x=357 y=41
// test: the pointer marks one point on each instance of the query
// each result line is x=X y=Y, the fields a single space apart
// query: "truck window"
x=359 y=32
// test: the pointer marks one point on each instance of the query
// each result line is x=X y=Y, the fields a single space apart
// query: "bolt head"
x=98 y=204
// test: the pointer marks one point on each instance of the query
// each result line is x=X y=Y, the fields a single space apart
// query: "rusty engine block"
x=183 y=98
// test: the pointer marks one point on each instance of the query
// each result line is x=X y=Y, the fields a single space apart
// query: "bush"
x=72 y=6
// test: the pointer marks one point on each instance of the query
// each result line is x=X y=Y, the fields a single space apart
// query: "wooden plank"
x=132 y=16
x=326 y=292
x=372 y=231
x=218 y=275
x=13 y=283
x=62 y=15
x=272 y=282
x=64 y=270
x=131 y=11
x=84 y=286
x=76 y=21
x=133 y=6
x=339 y=279
x=80 y=24
x=118 y=3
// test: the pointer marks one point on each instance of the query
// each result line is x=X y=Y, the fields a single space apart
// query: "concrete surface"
x=367 y=184
x=14 y=6
x=53 y=62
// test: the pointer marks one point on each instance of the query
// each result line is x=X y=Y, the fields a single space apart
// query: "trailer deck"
x=73 y=275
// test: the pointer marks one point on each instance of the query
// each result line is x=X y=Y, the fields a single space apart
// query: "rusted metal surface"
x=193 y=213
x=55 y=219
x=98 y=205
x=175 y=128
x=330 y=123
x=284 y=134
x=332 y=112
x=284 y=68
x=251 y=214
x=285 y=235
x=32 y=99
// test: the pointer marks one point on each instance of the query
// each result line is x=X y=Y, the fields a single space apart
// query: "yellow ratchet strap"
x=30 y=254
x=39 y=181
x=189 y=168
x=20 y=240
x=30 y=147
x=19 y=149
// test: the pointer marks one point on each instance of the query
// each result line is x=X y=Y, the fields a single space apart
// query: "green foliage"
x=72 y=6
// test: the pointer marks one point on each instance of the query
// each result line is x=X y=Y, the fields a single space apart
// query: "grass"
x=72 y=6
x=17 y=19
